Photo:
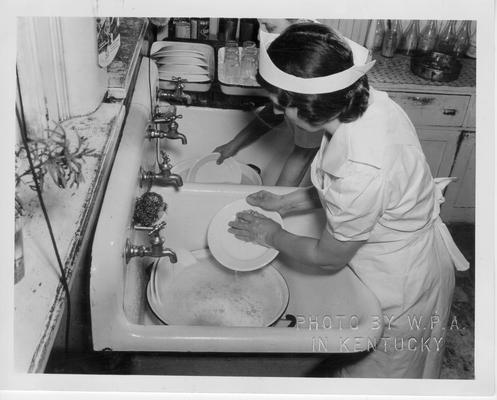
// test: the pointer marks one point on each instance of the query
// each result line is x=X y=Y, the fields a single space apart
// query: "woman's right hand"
x=226 y=150
x=266 y=200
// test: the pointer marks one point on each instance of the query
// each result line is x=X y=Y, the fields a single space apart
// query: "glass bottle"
x=428 y=37
x=390 y=39
x=409 y=40
x=227 y=29
x=447 y=38
x=379 y=31
x=463 y=38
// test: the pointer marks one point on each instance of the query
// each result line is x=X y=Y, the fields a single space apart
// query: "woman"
x=380 y=200
x=305 y=143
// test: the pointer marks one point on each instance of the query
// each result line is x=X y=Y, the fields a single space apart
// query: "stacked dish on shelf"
x=193 y=62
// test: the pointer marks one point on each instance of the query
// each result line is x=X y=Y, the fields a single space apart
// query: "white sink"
x=335 y=312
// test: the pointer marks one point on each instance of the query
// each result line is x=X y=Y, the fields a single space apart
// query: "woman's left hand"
x=251 y=226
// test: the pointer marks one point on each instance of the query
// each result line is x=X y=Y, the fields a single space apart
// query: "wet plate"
x=206 y=170
x=232 y=252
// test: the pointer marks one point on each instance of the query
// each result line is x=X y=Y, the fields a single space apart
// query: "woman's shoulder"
x=377 y=130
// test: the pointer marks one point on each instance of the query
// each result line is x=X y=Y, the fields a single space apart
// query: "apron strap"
x=458 y=258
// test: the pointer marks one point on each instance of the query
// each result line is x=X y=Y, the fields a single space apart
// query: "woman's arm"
x=265 y=120
x=326 y=252
x=302 y=199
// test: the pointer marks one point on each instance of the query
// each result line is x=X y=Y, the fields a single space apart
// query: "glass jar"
x=428 y=37
x=182 y=29
x=249 y=64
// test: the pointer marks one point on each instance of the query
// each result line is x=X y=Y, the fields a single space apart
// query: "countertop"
x=39 y=297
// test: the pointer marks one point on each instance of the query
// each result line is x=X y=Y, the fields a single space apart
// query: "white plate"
x=181 y=69
x=180 y=52
x=249 y=176
x=206 y=170
x=168 y=76
x=232 y=252
x=182 y=61
x=206 y=293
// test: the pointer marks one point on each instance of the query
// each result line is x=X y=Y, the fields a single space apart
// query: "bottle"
x=427 y=38
x=227 y=29
x=379 y=31
x=172 y=28
x=472 y=46
x=249 y=28
x=461 y=45
x=409 y=40
x=447 y=38
x=194 y=28
x=390 y=39
x=203 y=29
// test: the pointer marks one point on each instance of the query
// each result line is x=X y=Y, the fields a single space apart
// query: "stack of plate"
x=205 y=170
x=203 y=292
x=193 y=62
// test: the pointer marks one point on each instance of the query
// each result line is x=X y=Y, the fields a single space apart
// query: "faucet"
x=164 y=177
x=177 y=94
x=170 y=133
x=156 y=248
x=167 y=118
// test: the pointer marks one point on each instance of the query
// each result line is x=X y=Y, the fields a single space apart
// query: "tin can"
x=203 y=29
x=183 y=29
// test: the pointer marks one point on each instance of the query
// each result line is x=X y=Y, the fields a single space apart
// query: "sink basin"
x=333 y=312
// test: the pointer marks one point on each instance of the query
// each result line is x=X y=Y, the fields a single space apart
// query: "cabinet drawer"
x=433 y=109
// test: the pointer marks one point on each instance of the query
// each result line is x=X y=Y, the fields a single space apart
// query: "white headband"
x=323 y=84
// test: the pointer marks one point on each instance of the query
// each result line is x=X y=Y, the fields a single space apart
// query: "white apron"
x=409 y=268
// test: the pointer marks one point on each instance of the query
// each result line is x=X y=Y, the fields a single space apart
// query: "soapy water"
x=208 y=294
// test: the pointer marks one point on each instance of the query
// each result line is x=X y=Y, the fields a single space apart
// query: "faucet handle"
x=157 y=228
x=166 y=161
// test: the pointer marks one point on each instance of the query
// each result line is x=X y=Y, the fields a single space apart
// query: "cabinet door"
x=459 y=203
x=439 y=146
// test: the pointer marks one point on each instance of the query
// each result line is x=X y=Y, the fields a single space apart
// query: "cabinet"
x=444 y=117
x=459 y=203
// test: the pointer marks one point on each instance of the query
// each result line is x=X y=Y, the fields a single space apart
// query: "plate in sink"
x=205 y=293
x=233 y=253
x=206 y=170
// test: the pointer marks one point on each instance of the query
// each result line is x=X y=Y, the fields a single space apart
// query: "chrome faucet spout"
x=156 y=248
x=172 y=135
x=171 y=254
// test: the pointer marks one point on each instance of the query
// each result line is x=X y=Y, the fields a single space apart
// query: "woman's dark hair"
x=310 y=50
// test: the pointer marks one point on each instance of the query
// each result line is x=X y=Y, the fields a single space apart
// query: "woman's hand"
x=226 y=150
x=266 y=200
x=251 y=226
